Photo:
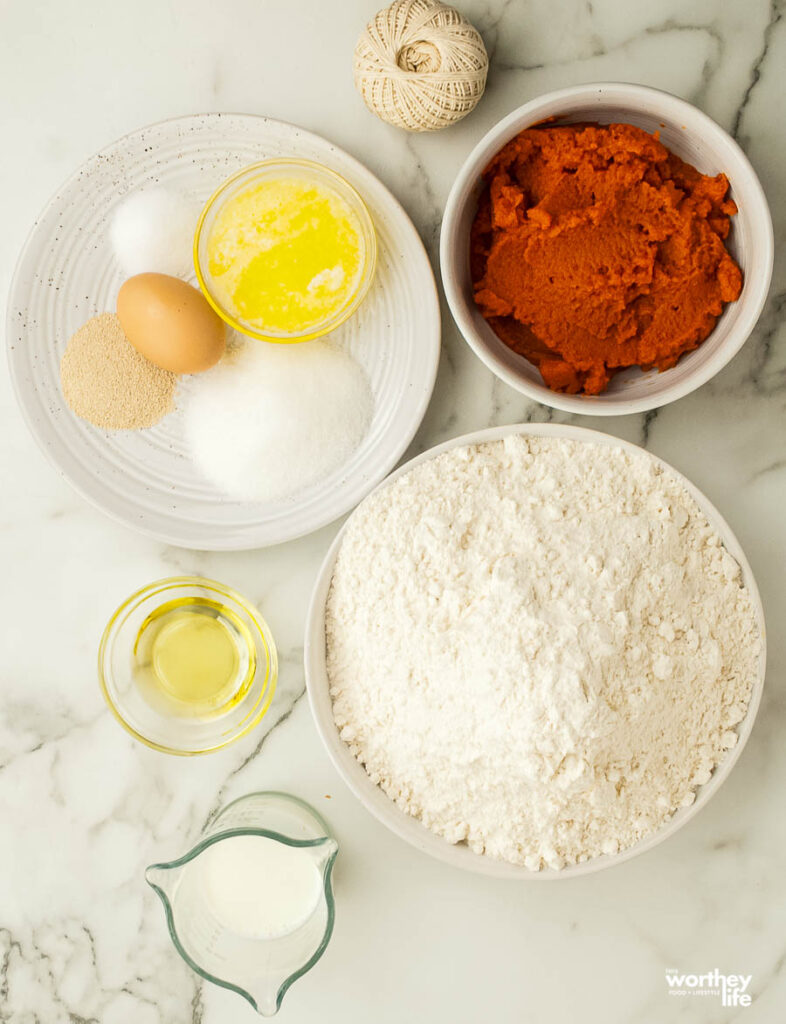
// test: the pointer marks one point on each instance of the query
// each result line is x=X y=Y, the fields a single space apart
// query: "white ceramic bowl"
x=695 y=138
x=409 y=828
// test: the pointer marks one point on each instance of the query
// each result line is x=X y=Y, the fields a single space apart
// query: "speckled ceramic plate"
x=67 y=273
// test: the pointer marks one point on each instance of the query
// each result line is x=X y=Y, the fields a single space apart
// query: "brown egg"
x=170 y=323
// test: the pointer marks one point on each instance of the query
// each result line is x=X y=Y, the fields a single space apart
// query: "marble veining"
x=84 y=808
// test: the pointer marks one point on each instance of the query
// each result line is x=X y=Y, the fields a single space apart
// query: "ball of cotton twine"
x=420 y=65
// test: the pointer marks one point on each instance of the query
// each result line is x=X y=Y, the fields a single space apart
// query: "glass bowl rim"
x=361 y=210
x=170 y=583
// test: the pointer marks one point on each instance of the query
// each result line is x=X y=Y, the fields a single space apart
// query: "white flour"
x=538 y=647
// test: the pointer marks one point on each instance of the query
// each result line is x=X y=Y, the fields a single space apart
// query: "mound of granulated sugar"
x=270 y=420
x=152 y=231
x=538 y=647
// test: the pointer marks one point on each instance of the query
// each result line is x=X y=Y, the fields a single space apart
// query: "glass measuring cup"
x=259 y=969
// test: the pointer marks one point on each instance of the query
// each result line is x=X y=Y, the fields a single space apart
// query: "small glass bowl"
x=157 y=727
x=291 y=168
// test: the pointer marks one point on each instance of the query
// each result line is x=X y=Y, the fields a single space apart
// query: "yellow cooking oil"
x=193 y=657
x=285 y=254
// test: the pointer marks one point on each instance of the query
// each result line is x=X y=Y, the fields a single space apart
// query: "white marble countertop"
x=84 y=808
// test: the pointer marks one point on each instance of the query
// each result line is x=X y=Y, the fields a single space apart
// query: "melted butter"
x=285 y=255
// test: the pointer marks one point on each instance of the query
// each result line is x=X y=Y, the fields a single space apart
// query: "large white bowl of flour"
x=535 y=651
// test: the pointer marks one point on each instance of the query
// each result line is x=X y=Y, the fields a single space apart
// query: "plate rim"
x=140 y=527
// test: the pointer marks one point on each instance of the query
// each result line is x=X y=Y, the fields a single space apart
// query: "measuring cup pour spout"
x=292 y=955
x=163 y=879
x=250 y=908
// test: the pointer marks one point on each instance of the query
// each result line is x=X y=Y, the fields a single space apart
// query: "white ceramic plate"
x=409 y=828
x=67 y=273
x=694 y=137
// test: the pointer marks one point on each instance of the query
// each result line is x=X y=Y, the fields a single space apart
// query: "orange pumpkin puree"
x=594 y=248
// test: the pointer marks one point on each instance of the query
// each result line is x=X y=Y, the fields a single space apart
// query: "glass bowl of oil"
x=285 y=250
x=187 y=665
